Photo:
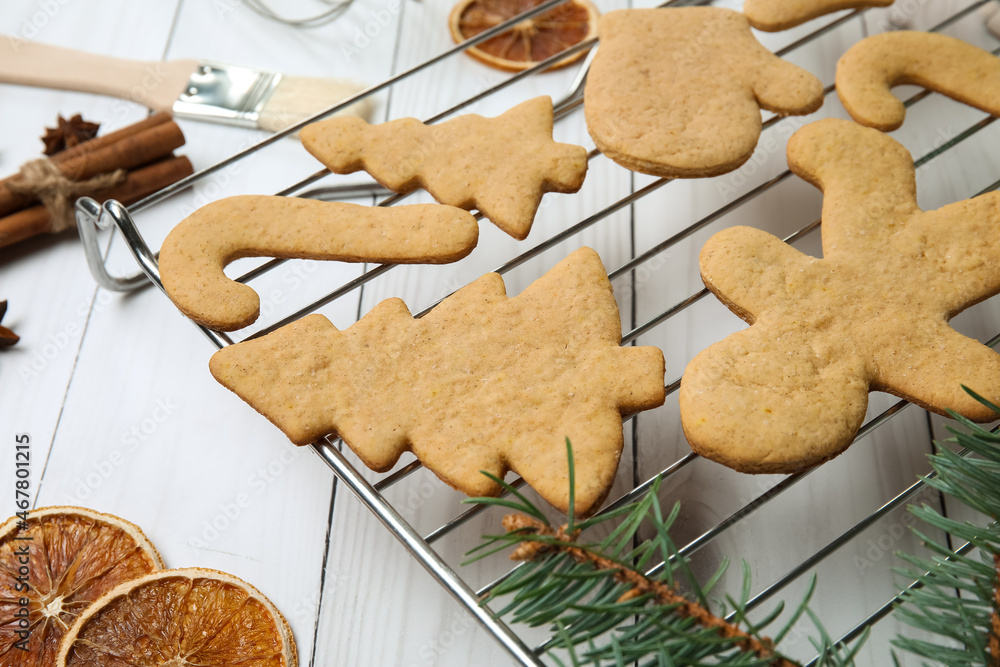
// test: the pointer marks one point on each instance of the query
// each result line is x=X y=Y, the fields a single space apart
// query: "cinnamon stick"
x=144 y=182
x=24 y=224
x=128 y=152
x=139 y=184
x=104 y=140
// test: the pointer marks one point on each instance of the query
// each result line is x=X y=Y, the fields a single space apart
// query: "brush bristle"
x=299 y=97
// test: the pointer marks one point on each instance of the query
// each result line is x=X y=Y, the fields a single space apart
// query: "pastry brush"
x=196 y=89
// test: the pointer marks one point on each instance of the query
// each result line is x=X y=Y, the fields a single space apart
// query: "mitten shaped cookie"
x=791 y=391
x=870 y=68
x=501 y=166
x=775 y=15
x=481 y=383
x=678 y=92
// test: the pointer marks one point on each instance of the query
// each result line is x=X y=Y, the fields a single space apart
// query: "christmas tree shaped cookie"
x=791 y=391
x=501 y=166
x=482 y=382
x=677 y=92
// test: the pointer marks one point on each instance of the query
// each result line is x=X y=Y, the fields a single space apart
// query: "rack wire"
x=93 y=217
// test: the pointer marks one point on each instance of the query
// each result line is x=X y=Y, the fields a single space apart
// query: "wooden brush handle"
x=153 y=84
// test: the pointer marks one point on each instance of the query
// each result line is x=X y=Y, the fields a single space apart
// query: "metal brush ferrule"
x=228 y=93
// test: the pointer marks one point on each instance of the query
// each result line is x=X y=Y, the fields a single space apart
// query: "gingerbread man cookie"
x=482 y=382
x=870 y=68
x=791 y=391
x=775 y=15
x=678 y=92
x=501 y=166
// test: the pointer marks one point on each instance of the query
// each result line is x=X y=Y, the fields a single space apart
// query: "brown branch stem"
x=662 y=593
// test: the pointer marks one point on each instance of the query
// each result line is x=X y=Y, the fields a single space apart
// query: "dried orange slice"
x=68 y=557
x=177 y=618
x=529 y=41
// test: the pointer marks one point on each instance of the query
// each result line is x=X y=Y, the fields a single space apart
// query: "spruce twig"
x=604 y=606
x=971 y=619
x=639 y=584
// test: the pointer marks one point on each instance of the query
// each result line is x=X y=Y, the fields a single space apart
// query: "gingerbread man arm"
x=935 y=349
x=770 y=270
x=962 y=273
x=870 y=68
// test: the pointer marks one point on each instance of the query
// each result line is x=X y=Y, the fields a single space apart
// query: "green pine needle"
x=571 y=515
x=525 y=505
x=964 y=623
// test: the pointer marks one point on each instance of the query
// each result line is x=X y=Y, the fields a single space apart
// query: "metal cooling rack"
x=93 y=217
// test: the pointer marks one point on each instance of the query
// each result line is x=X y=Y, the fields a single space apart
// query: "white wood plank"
x=46 y=279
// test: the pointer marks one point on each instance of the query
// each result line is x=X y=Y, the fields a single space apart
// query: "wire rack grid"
x=656 y=282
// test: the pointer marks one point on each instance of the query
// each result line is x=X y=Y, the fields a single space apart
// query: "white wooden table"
x=124 y=417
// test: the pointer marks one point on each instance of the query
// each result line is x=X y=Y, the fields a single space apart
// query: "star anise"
x=7 y=337
x=68 y=133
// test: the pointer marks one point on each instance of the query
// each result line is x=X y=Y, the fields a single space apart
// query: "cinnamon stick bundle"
x=128 y=152
x=145 y=148
x=140 y=183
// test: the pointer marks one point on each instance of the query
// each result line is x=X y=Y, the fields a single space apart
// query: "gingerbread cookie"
x=870 y=68
x=501 y=166
x=198 y=249
x=791 y=391
x=482 y=382
x=775 y=15
x=678 y=92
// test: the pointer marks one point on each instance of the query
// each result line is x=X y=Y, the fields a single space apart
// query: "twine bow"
x=41 y=178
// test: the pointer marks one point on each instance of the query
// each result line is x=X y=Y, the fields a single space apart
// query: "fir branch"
x=604 y=606
x=640 y=585
x=957 y=594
